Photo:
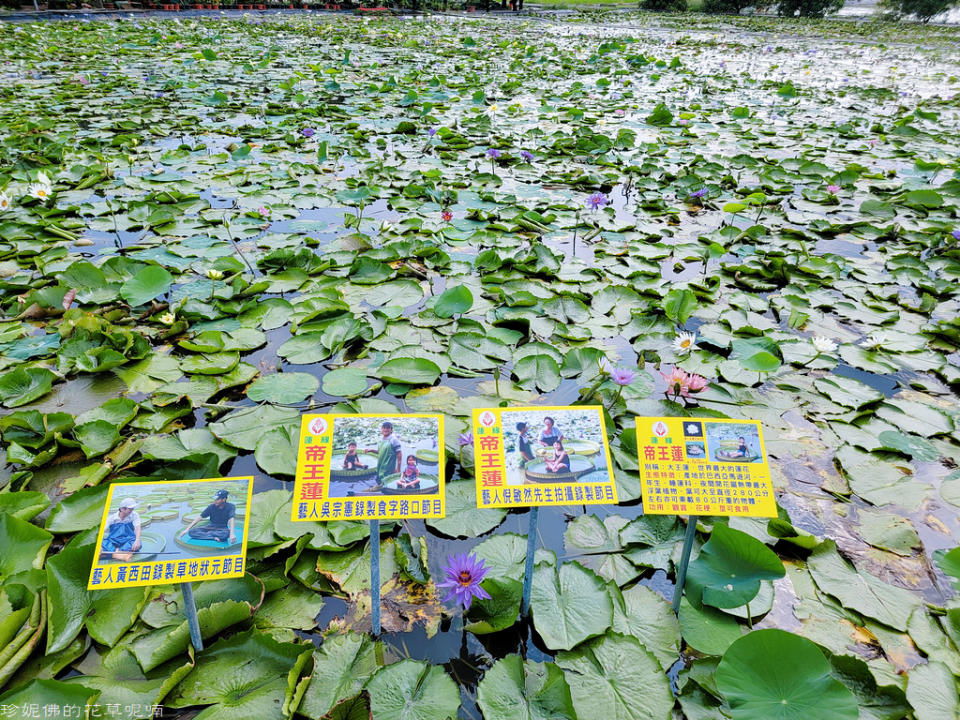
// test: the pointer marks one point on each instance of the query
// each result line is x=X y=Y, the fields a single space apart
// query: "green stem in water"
x=617 y=398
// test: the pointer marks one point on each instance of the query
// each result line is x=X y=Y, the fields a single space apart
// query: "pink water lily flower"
x=681 y=384
x=676 y=379
x=695 y=383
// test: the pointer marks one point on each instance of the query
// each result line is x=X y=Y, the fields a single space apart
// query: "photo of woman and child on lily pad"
x=552 y=446
x=385 y=456
x=729 y=442
x=174 y=520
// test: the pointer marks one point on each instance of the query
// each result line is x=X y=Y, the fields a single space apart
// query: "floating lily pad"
x=772 y=674
x=283 y=388
x=569 y=605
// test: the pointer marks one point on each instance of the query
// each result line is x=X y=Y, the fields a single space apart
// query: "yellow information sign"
x=369 y=467
x=542 y=456
x=172 y=531
x=704 y=467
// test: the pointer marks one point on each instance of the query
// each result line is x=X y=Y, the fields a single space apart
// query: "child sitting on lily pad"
x=352 y=461
x=410 y=477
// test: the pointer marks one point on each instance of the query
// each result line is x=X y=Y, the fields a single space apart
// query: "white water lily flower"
x=214 y=274
x=40 y=191
x=167 y=318
x=42 y=178
x=5 y=203
x=685 y=342
x=874 y=341
x=823 y=344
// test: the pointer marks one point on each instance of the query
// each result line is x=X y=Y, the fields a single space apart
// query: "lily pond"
x=209 y=226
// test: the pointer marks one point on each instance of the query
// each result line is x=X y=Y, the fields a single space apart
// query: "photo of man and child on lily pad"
x=173 y=520
x=552 y=446
x=385 y=456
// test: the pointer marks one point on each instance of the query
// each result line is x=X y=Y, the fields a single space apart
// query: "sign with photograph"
x=542 y=456
x=701 y=466
x=369 y=467
x=172 y=531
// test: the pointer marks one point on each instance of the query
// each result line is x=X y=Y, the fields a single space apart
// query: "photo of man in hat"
x=221 y=514
x=121 y=533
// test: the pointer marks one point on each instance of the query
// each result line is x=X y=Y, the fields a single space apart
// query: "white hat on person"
x=128 y=503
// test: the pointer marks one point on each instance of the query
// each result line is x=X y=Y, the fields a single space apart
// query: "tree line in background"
x=923 y=10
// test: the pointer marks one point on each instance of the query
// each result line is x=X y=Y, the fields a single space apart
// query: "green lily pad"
x=859 y=590
x=729 y=568
x=707 y=630
x=184 y=443
x=151 y=282
x=283 y=388
x=539 y=371
x=412 y=371
x=516 y=689
x=345 y=382
x=569 y=606
x=775 y=675
x=949 y=562
x=242 y=676
x=932 y=691
x=243 y=428
x=23 y=385
x=341 y=667
x=453 y=301
x=44 y=693
x=276 y=451
x=149 y=374
x=412 y=690
x=615 y=676
x=107 y=614
x=25 y=546
x=645 y=615
x=80 y=511
x=120 y=681
x=24 y=504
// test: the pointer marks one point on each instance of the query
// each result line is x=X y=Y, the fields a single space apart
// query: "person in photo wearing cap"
x=121 y=533
x=221 y=514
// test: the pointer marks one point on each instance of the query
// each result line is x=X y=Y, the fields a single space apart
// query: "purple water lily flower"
x=308 y=132
x=622 y=375
x=697 y=194
x=464 y=574
x=956 y=234
x=493 y=153
x=526 y=155
x=597 y=201
x=466 y=439
x=431 y=132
